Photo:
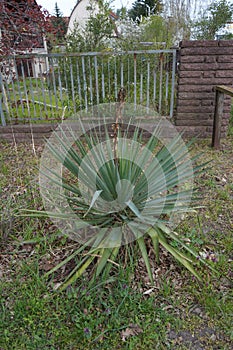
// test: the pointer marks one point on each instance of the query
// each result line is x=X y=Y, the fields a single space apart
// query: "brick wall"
x=201 y=66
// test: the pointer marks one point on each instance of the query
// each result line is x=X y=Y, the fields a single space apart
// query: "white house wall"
x=81 y=13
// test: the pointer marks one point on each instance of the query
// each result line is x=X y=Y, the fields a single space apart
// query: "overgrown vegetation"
x=144 y=302
x=213 y=20
x=118 y=192
x=125 y=312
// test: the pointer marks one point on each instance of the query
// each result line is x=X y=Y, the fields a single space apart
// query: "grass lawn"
x=125 y=312
x=34 y=100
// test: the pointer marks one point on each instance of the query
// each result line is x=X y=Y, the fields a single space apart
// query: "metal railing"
x=40 y=88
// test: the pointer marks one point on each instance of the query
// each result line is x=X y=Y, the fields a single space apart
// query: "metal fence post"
x=3 y=120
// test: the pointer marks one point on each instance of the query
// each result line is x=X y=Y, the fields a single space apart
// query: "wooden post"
x=219 y=103
x=218 y=113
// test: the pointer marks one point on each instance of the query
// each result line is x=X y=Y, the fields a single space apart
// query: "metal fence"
x=40 y=88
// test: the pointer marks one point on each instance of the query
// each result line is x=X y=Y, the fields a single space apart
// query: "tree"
x=178 y=15
x=122 y=12
x=214 y=18
x=59 y=24
x=179 y=8
x=96 y=34
x=155 y=30
x=57 y=11
x=23 y=26
x=145 y=8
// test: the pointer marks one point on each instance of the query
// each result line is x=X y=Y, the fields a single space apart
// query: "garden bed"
x=125 y=312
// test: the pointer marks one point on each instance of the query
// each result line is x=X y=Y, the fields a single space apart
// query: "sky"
x=66 y=6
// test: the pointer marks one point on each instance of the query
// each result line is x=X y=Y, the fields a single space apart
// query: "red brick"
x=199 y=67
x=206 y=81
x=195 y=109
x=225 y=59
x=210 y=59
x=194 y=122
x=195 y=95
x=203 y=51
x=192 y=102
x=195 y=116
x=225 y=74
x=207 y=102
x=192 y=131
x=195 y=88
x=209 y=74
x=190 y=74
x=198 y=43
x=225 y=122
x=225 y=43
x=192 y=59
x=225 y=66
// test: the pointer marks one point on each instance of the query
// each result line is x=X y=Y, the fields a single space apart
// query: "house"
x=226 y=31
x=22 y=31
x=82 y=11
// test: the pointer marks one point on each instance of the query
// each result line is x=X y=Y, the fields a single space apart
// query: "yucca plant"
x=116 y=189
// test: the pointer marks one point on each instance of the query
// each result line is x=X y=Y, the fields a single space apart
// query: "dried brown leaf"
x=132 y=330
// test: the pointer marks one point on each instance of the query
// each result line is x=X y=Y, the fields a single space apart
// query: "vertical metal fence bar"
x=141 y=82
x=3 y=120
x=15 y=103
x=60 y=85
x=25 y=91
x=173 y=82
x=148 y=85
x=109 y=81
x=7 y=101
x=72 y=84
x=103 y=82
x=43 y=89
x=39 y=92
x=122 y=73
x=128 y=79
x=84 y=82
x=65 y=81
x=166 y=91
x=79 y=84
x=90 y=81
x=160 y=81
x=19 y=102
x=96 y=80
x=48 y=90
x=54 y=86
x=115 y=78
x=154 y=86
x=19 y=89
x=31 y=91
x=135 y=79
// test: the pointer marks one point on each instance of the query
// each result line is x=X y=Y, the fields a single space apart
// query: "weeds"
x=126 y=312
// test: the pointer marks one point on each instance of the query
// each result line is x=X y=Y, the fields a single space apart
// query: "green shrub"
x=116 y=190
